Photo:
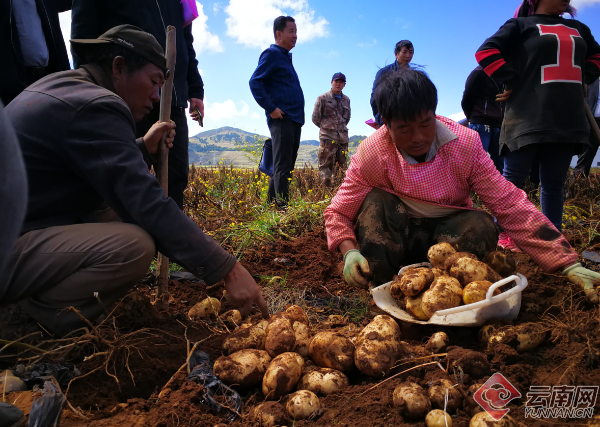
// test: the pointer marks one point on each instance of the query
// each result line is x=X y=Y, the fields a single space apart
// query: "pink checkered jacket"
x=459 y=166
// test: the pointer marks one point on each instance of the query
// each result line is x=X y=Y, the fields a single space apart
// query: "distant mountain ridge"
x=226 y=137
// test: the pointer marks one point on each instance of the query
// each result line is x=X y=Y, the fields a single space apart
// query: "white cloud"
x=583 y=3
x=251 y=22
x=64 y=19
x=204 y=40
x=216 y=8
x=226 y=110
x=373 y=43
x=457 y=117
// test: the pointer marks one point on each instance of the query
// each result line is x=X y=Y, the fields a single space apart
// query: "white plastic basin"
x=505 y=306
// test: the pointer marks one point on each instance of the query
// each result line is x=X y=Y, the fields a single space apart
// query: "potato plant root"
x=570 y=355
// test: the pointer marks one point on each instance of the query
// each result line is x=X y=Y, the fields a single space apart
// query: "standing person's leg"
x=285 y=134
x=327 y=158
x=494 y=149
x=341 y=155
x=586 y=159
x=77 y=266
x=484 y=134
x=555 y=159
x=472 y=231
x=179 y=164
x=517 y=164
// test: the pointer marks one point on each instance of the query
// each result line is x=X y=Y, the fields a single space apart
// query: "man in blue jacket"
x=403 y=52
x=276 y=88
x=91 y=18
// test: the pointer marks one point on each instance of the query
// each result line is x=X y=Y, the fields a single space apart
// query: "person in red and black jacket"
x=542 y=59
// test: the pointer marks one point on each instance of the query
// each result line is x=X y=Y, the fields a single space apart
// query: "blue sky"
x=354 y=37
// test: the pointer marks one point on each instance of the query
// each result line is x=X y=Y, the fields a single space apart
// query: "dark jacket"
x=275 y=84
x=479 y=99
x=91 y=18
x=545 y=105
x=380 y=74
x=592 y=98
x=82 y=153
x=13 y=77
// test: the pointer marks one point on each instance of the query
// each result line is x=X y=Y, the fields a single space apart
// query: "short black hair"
x=403 y=43
x=280 y=23
x=405 y=94
x=104 y=55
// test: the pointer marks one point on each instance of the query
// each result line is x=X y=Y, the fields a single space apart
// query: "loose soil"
x=570 y=355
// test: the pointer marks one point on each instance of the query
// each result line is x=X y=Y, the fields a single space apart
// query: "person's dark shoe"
x=11 y=416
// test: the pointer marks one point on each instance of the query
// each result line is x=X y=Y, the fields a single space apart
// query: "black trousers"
x=389 y=237
x=586 y=159
x=179 y=167
x=285 y=134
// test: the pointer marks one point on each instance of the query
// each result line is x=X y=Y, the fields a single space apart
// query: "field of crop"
x=133 y=360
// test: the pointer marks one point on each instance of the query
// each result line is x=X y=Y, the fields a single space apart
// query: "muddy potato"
x=231 y=317
x=245 y=368
x=437 y=394
x=323 y=381
x=411 y=400
x=271 y=414
x=205 y=309
x=282 y=375
x=524 y=337
x=438 y=253
x=329 y=350
x=471 y=407
x=473 y=363
x=302 y=405
x=468 y=270
x=246 y=337
x=455 y=257
x=280 y=337
x=445 y=293
x=9 y=383
x=377 y=346
x=477 y=291
x=437 y=272
x=483 y=419
x=303 y=338
x=416 y=281
x=414 y=306
x=438 y=418
x=438 y=342
x=296 y=314
x=501 y=263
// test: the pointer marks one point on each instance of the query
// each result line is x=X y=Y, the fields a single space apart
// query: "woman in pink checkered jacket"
x=409 y=186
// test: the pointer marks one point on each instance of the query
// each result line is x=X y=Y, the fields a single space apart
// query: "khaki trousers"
x=55 y=268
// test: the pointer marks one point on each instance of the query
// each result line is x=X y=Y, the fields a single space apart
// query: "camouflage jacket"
x=332 y=117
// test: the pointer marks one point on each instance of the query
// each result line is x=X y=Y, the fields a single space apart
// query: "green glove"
x=587 y=279
x=355 y=267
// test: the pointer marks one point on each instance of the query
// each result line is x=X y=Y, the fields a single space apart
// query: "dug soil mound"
x=141 y=381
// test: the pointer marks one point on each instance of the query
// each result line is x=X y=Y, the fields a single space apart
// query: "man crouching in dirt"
x=77 y=133
x=409 y=187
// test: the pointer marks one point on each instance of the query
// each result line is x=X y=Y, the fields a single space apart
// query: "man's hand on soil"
x=587 y=279
x=155 y=133
x=243 y=292
x=355 y=268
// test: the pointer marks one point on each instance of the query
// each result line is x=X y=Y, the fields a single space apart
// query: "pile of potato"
x=282 y=356
x=456 y=278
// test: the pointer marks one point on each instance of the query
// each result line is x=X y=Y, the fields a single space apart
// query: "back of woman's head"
x=527 y=8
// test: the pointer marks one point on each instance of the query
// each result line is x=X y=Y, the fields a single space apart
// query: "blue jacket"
x=275 y=84
x=380 y=74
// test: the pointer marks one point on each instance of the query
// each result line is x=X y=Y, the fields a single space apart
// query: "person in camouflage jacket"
x=332 y=114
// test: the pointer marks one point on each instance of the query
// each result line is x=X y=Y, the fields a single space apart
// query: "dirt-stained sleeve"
x=317 y=114
x=529 y=228
x=341 y=213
